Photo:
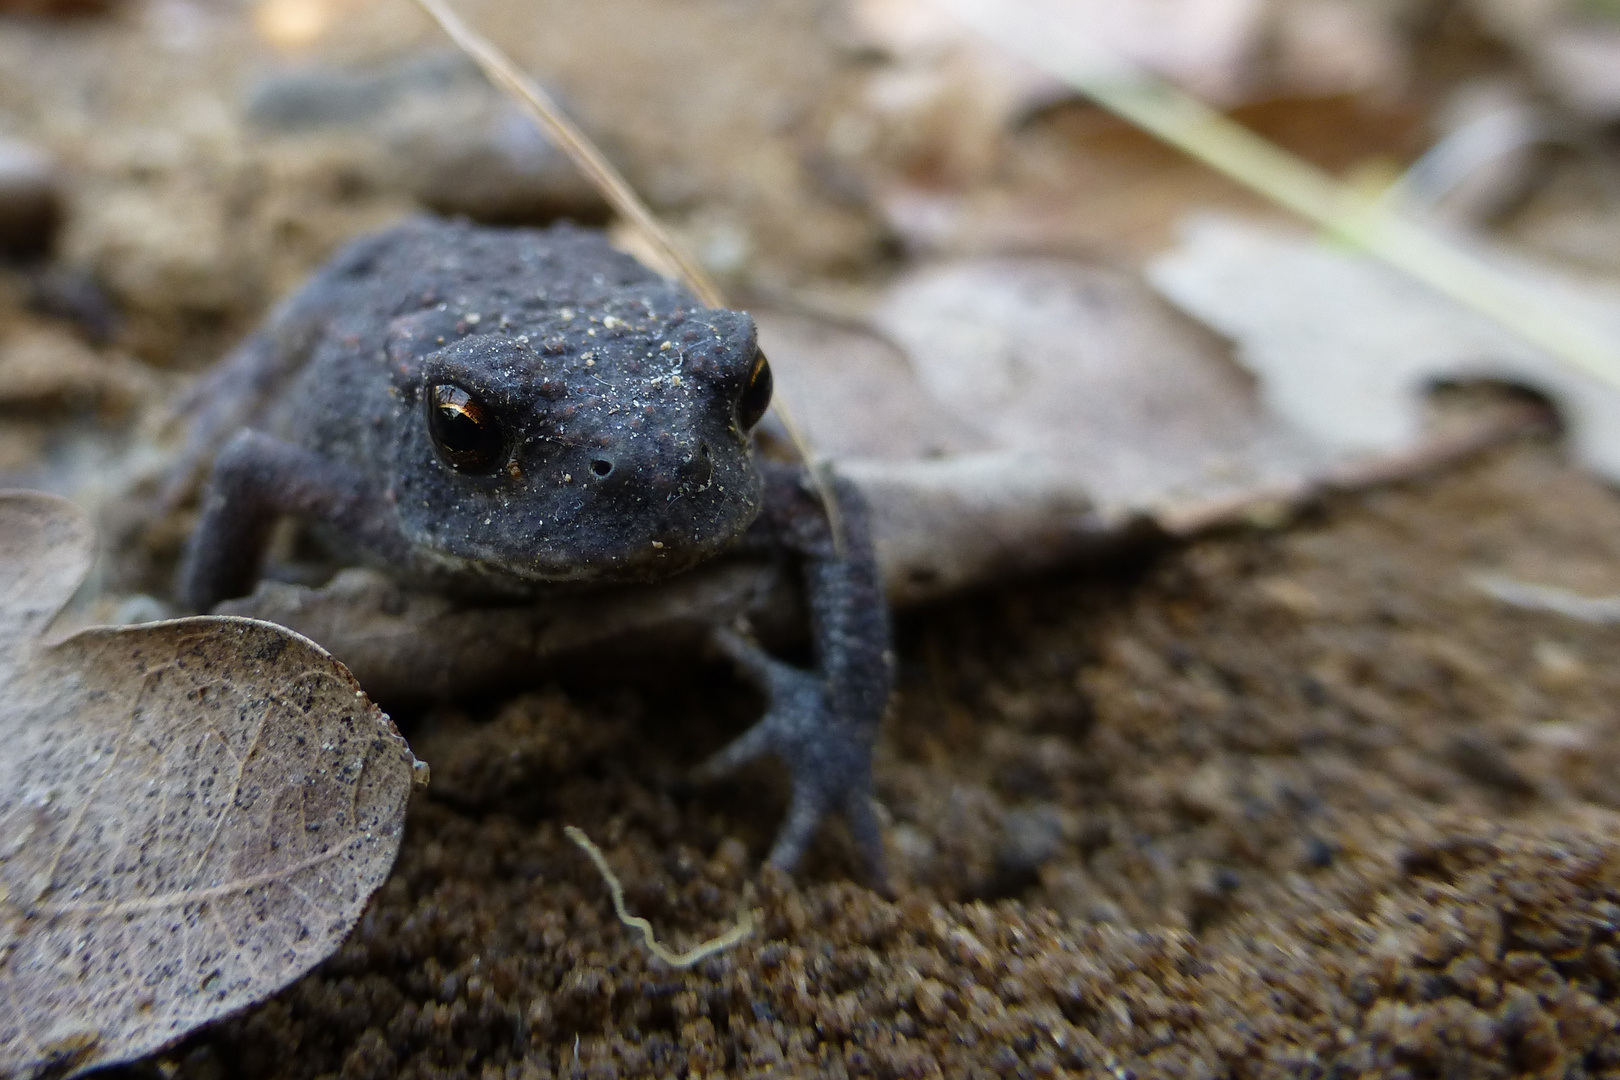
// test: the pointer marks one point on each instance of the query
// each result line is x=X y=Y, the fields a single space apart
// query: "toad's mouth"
x=652 y=562
x=585 y=549
x=518 y=578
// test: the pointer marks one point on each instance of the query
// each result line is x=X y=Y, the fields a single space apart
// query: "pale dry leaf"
x=1327 y=47
x=192 y=813
x=405 y=644
x=1573 y=50
x=1081 y=367
x=854 y=393
x=1096 y=409
x=1346 y=349
x=1208 y=46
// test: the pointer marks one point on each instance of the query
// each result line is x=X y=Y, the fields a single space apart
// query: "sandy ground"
x=1288 y=803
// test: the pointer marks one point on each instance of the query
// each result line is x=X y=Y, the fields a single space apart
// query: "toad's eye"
x=467 y=437
x=756 y=394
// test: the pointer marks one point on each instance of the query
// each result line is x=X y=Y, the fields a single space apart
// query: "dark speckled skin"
x=622 y=459
x=588 y=361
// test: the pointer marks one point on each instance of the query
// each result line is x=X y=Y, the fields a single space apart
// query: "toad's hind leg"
x=821 y=722
x=257 y=480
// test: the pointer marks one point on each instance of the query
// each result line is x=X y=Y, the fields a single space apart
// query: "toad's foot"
x=828 y=755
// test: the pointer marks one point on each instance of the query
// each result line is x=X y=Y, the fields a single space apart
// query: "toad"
x=494 y=413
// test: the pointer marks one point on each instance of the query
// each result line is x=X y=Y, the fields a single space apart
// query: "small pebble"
x=484 y=158
x=1318 y=853
x=1479 y=758
x=1558 y=667
x=31 y=205
x=457 y=143
x=314 y=98
x=75 y=296
x=1030 y=837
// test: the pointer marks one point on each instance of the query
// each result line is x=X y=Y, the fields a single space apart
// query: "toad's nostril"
x=698 y=464
x=602 y=467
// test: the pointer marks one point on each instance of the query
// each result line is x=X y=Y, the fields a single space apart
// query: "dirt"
x=1295 y=800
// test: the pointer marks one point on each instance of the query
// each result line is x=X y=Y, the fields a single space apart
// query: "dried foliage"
x=192 y=813
x=1346 y=350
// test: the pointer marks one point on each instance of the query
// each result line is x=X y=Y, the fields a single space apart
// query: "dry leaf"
x=192 y=813
x=855 y=393
x=1570 y=46
x=1080 y=366
x=1326 y=47
x=404 y=644
x=1346 y=348
x=1206 y=45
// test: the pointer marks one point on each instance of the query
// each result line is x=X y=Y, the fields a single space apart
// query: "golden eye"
x=467 y=437
x=756 y=393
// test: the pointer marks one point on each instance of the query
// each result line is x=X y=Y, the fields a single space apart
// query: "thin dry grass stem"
x=743 y=927
x=1038 y=31
x=572 y=141
x=567 y=136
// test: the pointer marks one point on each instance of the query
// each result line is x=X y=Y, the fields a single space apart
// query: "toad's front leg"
x=256 y=480
x=823 y=722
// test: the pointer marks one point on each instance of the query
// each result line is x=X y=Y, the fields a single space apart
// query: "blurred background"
x=169 y=168
x=191 y=160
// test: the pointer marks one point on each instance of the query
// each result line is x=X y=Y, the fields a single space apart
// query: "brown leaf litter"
x=192 y=813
